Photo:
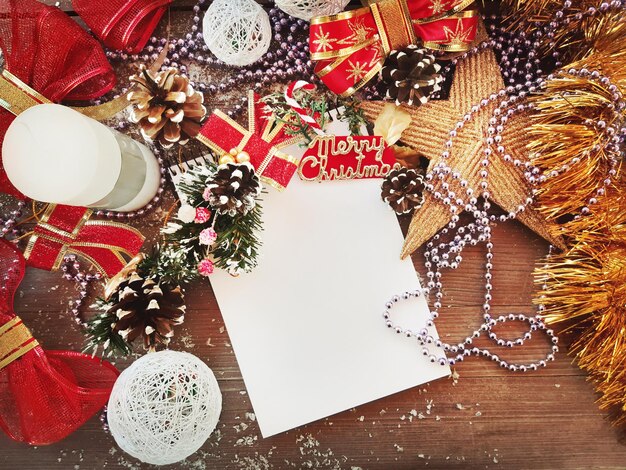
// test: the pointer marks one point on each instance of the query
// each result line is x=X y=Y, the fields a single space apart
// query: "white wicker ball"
x=307 y=9
x=238 y=32
x=164 y=407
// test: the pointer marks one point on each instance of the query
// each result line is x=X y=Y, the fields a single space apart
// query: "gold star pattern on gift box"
x=475 y=79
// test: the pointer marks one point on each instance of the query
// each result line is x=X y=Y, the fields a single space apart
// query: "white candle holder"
x=54 y=154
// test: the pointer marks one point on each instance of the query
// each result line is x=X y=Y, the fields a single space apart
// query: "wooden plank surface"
x=484 y=418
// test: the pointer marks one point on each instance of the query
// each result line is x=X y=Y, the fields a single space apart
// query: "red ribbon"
x=67 y=229
x=44 y=396
x=350 y=48
x=262 y=141
x=122 y=24
x=51 y=53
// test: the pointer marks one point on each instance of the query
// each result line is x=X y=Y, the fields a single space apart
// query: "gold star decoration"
x=475 y=78
x=360 y=34
x=323 y=40
x=357 y=72
x=436 y=6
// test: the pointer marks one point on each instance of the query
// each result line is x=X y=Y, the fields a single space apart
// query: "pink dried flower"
x=207 y=236
x=205 y=267
x=206 y=195
x=203 y=215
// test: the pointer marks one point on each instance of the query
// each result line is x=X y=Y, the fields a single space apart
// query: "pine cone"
x=411 y=76
x=234 y=188
x=167 y=107
x=145 y=308
x=403 y=190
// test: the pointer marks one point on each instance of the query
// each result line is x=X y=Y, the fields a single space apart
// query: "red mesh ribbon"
x=262 y=141
x=62 y=229
x=350 y=48
x=122 y=24
x=44 y=396
x=50 y=52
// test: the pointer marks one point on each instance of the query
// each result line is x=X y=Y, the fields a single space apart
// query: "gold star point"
x=474 y=79
x=460 y=37
x=358 y=70
x=323 y=40
x=360 y=32
x=436 y=6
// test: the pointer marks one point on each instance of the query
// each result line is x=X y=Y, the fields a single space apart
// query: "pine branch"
x=169 y=266
x=100 y=333
x=352 y=114
x=236 y=247
x=237 y=244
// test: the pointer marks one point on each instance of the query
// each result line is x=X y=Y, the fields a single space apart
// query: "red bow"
x=351 y=47
x=122 y=24
x=262 y=141
x=47 y=50
x=44 y=396
x=67 y=229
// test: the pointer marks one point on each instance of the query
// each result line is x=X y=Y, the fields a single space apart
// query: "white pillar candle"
x=52 y=153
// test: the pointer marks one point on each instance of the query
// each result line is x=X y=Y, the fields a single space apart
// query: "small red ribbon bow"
x=122 y=24
x=350 y=48
x=262 y=141
x=67 y=229
x=44 y=395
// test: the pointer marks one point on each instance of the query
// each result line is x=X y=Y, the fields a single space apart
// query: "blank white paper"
x=306 y=325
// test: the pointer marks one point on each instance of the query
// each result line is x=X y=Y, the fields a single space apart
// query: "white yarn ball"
x=238 y=32
x=307 y=9
x=164 y=407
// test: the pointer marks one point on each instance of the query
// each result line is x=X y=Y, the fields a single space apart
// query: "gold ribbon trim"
x=16 y=96
x=15 y=341
x=393 y=32
x=456 y=12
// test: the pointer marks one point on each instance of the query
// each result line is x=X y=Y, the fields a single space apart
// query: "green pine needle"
x=100 y=333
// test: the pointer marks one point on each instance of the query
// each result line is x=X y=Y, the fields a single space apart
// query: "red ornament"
x=44 y=396
x=203 y=215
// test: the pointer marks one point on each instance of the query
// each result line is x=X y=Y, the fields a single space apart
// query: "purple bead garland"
x=9 y=222
x=71 y=270
x=290 y=61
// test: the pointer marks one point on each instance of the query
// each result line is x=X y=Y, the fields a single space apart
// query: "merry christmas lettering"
x=346 y=157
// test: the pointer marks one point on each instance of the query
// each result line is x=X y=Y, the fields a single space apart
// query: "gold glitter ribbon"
x=16 y=96
x=15 y=341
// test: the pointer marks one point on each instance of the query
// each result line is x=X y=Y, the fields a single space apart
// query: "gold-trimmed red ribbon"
x=68 y=229
x=262 y=140
x=350 y=47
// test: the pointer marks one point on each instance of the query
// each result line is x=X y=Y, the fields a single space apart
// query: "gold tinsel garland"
x=576 y=39
x=574 y=134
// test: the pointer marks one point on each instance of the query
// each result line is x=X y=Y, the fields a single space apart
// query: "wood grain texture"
x=485 y=418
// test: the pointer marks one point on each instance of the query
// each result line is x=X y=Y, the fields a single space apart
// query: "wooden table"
x=482 y=417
